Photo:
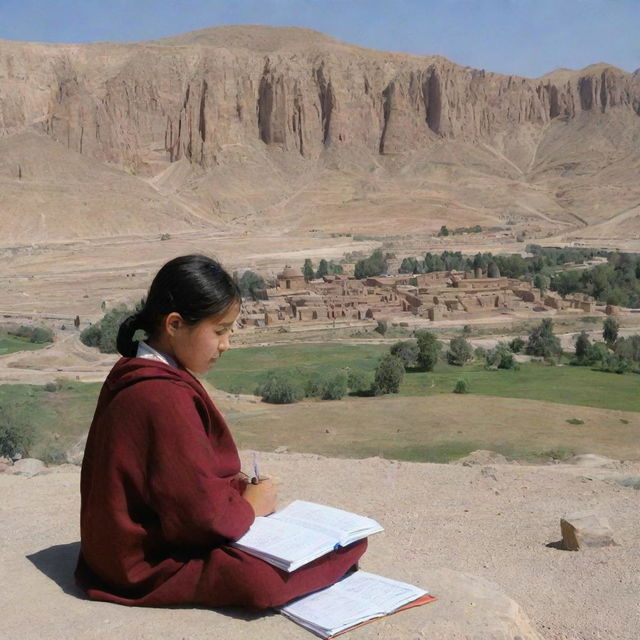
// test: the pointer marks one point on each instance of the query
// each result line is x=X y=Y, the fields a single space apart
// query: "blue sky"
x=527 y=37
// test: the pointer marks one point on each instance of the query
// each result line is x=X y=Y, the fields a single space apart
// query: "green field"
x=58 y=419
x=424 y=422
x=11 y=344
x=242 y=370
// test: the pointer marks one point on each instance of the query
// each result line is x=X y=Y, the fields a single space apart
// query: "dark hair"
x=194 y=286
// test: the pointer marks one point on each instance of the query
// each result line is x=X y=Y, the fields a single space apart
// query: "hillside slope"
x=289 y=128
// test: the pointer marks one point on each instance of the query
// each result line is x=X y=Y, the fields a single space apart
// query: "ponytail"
x=124 y=342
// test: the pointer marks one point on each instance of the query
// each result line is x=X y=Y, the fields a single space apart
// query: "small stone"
x=28 y=467
x=489 y=472
x=585 y=530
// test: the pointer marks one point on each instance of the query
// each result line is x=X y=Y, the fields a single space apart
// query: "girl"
x=162 y=493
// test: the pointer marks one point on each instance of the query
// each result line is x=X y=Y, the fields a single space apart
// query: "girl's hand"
x=262 y=497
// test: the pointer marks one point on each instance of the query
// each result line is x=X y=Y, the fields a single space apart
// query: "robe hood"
x=128 y=371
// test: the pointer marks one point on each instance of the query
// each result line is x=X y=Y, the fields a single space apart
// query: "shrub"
x=335 y=386
x=381 y=327
x=37 y=335
x=53 y=453
x=389 y=374
x=462 y=386
x=103 y=333
x=313 y=385
x=615 y=364
x=516 y=345
x=500 y=357
x=595 y=354
x=359 y=381
x=480 y=353
x=542 y=342
x=16 y=436
x=460 y=351
x=281 y=388
x=428 y=349
x=407 y=351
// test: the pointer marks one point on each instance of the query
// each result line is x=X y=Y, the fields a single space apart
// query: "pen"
x=256 y=472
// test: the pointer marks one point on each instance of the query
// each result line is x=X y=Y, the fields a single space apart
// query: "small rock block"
x=588 y=530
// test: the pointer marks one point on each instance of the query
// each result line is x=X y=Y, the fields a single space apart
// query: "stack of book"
x=304 y=531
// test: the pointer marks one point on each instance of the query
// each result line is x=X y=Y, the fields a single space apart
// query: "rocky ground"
x=477 y=535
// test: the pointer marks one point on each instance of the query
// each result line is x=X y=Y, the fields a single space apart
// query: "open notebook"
x=302 y=532
x=358 y=598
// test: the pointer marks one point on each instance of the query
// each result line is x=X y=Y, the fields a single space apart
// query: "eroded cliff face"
x=145 y=105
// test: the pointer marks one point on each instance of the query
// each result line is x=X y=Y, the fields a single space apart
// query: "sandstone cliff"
x=286 y=101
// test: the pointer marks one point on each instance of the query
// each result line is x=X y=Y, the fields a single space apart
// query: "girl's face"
x=198 y=347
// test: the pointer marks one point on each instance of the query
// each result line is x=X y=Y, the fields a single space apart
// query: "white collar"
x=145 y=351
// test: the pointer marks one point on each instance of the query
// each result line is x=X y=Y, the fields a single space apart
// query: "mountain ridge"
x=251 y=124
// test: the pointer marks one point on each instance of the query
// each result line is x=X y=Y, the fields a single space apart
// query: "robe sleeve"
x=195 y=505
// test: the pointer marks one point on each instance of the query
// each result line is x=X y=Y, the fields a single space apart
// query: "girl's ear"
x=172 y=323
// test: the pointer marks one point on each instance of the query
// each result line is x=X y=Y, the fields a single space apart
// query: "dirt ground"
x=493 y=521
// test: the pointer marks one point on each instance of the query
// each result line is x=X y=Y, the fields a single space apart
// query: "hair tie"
x=131 y=325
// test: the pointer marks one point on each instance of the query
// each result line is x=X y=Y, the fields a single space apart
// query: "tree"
x=516 y=345
x=389 y=374
x=335 y=268
x=540 y=282
x=249 y=285
x=323 y=269
x=493 y=271
x=374 y=265
x=628 y=348
x=307 y=270
x=281 y=388
x=582 y=346
x=542 y=342
x=610 y=330
x=407 y=351
x=409 y=265
x=460 y=351
x=428 y=349
x=444 y=232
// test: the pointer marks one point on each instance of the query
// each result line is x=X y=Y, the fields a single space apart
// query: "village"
x=439 y=295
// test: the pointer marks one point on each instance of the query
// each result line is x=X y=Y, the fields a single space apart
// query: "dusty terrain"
x=490 y=522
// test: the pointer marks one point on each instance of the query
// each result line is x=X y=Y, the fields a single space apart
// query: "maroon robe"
x=161 y=501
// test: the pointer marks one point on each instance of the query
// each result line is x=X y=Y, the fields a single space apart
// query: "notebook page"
x=287 y=541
